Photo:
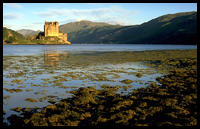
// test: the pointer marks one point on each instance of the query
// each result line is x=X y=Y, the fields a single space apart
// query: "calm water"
x=47 y=73
x=39 y=49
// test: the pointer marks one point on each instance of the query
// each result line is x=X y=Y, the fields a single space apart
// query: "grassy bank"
x=34 y=42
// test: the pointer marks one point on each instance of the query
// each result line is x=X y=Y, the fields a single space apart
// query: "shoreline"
x=36 y=44
x=88 y=44
x=32 y=43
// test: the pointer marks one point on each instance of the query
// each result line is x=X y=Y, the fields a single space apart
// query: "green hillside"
x=179 y=28
x=10 y=36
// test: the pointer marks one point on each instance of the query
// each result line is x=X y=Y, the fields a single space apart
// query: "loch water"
x=40 y=49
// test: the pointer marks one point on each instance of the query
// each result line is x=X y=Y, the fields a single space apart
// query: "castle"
x=52 y=29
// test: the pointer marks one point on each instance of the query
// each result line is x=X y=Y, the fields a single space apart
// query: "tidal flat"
x=143 y=88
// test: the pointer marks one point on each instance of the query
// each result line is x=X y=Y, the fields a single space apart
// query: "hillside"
x=179 y=28
x=27 y=32
x=82 y=25
x=10 y=36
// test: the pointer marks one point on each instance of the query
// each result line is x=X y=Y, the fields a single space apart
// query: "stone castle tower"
x=52 y=29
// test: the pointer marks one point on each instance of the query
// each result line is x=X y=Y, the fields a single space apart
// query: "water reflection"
x=53 y=57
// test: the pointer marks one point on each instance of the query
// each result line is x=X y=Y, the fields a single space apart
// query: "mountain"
x=26 y=32
x=179 y=28
x=11 y=35
x=82 y=25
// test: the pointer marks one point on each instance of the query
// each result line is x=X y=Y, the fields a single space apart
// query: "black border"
x=100 y=1
x=104 y=1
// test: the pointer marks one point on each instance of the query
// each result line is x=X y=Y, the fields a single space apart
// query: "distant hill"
x=82 y=25
x=27 y=32
x=179 y=28
x=11 y=35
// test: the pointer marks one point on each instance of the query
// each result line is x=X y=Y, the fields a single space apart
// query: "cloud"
x=11 y=16
x=8 y=26
x=12 y=5
x=112 y=14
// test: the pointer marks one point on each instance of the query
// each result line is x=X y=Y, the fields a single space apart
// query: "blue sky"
x=33 y=15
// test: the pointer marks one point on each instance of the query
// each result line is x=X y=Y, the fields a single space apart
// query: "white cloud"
x=8 y=26
x=112 y=14
x=11 y=16
x=13 y=5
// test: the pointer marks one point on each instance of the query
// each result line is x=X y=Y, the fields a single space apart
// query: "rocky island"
x=51 y=35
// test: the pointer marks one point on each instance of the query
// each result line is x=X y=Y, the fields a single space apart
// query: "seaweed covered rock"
x=85 y=96
x=172 y=102
x=126 y=81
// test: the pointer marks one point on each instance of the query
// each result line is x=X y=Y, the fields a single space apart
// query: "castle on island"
x=51 y=29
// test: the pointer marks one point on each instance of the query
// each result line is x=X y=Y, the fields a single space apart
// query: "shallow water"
x=54 y=70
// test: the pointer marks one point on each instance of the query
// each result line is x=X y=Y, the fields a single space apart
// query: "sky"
x=32 y=16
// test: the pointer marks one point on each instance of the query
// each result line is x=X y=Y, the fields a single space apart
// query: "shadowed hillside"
x=179 y=28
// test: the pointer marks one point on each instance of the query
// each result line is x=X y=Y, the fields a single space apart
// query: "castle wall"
x=63 y=36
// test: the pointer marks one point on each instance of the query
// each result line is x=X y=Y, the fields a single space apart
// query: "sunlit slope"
x=11 y=35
